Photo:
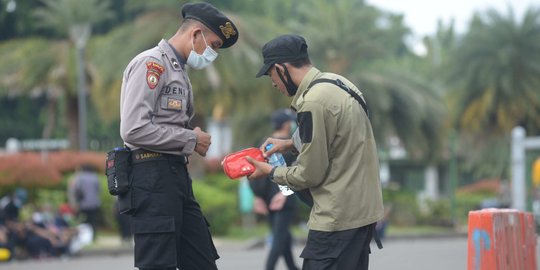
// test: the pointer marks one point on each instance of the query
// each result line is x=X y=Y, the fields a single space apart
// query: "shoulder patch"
x=153 y=72
x=305 y=126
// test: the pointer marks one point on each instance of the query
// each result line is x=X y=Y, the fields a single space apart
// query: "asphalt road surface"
x=411 y=254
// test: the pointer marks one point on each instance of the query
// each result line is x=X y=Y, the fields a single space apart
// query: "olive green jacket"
x=338 y=157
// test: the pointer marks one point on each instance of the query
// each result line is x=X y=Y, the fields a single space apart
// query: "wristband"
x=271 y=174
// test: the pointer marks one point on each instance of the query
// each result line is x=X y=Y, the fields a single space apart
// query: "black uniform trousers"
x=341 y=250
x=169 y=228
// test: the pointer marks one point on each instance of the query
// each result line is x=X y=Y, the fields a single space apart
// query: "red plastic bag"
x=236 y=165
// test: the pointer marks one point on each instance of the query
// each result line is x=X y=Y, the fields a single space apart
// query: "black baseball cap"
x=212 y=18
x=285 y=48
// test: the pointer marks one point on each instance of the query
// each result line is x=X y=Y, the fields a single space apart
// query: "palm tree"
x=497 y=74
x=366 y=45
x=38 y=66
x=73 y=19
x=495 y=82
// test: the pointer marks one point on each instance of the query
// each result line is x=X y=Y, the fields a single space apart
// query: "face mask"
x=200 y=61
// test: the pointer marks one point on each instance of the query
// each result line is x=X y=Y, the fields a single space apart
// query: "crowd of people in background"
x=47 y=231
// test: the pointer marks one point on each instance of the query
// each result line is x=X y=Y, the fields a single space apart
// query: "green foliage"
x=405 y=211
x=25 y=110
x=219 y=206
x=466 y=202
x=495 y=71
x=438 y=213
x=62 y=15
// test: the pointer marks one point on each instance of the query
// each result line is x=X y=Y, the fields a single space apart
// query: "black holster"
x=117 y=170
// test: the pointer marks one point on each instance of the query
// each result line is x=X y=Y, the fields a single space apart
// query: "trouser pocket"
x=125 y=200
x=155 y=242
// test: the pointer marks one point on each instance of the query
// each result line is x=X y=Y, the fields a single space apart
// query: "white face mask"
x=200 y=61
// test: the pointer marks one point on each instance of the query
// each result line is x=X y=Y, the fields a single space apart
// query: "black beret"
x=214 y=20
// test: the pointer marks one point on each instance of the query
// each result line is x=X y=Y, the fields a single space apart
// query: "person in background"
x=124 y=227
x=12 y=203
x=87 y=192
x=270 y=201
x=10 y=223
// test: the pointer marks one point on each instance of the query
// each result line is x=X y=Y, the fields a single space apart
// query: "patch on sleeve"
x=305 y=126
x=174 y=104
x=153 y=72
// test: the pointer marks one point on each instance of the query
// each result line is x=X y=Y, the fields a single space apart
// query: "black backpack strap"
x=376 y=235
x=341 y=85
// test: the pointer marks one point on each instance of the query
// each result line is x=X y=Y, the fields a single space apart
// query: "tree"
x=367 y=45
x=73 y=19
x=497 y=74
x=37 y=67
x=494 y=83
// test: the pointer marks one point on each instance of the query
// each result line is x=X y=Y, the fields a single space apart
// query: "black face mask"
x=291 y=88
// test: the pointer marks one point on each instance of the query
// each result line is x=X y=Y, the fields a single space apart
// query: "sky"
x=422 y=15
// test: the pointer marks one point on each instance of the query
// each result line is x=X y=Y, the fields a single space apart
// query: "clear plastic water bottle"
x=276 y=159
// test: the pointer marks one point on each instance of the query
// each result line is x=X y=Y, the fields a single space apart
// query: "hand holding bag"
x=236 y=165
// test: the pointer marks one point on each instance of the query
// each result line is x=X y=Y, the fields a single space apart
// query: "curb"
x=259 y=242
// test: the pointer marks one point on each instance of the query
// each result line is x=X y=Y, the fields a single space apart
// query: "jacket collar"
x=311 y=75
x=176 y=60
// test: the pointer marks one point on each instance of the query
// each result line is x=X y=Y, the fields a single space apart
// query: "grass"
x=418 y=230
x=260 y=230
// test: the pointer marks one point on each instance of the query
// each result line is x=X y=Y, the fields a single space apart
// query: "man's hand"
x=259 y=206
x=277 y=202
x=262 y=169
x=280 y=145
x=203 y=141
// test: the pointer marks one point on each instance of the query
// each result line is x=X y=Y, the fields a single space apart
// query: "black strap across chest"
x=341 y=85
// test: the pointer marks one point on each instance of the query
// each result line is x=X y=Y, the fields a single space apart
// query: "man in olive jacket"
x=337 y=159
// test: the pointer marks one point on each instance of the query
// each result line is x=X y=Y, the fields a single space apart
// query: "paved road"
x=414 y=254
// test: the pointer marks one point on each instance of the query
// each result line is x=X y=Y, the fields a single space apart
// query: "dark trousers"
x=342 y=250
x=282 y=239
x=169 y=228
x=91 y=217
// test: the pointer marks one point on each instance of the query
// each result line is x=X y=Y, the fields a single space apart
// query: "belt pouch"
x=117 y=170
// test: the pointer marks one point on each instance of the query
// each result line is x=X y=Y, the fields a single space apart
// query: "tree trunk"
x=72 y=118
x=50 y=118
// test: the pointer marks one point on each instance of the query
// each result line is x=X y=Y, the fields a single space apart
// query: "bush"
x=405 y=210
x=438 y=213
x=218 y=198
x=466 y=202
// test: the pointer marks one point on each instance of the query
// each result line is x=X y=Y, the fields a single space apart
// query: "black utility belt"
x=142 y=155
x=120 y=160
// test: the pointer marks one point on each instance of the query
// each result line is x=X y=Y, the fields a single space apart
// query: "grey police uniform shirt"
x=156 y=103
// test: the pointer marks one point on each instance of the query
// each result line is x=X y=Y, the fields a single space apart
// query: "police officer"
x=156 y=107
x=337 y=159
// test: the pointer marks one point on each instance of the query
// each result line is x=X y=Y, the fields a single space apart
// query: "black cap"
x=282 y=116
x=214 y=20
x=285 y=48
